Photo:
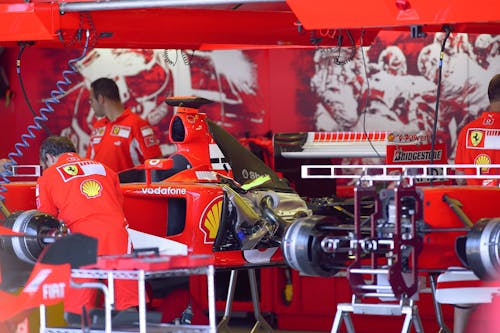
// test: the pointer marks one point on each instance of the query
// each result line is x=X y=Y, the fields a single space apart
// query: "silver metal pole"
x=65 y=7
x=211 y=298
x=142 y=301
x=43 y=319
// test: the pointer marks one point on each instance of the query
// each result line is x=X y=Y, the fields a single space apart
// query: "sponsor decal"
x=73 y=158
x=476 y=137
x=483 y=138
x=80 y=169
x=250 y=174
x=99 y=131
x=206 y=175
x=70 y=171
x=121 y=131
x=483 y=159
x=418 y=154
x=48 y=284
x=407 y=138
x=37 y=281
x=489 y=120
x=91 y=188
x=92 y=168
x=150 y=141
x=159 y=163
x=401 y=155
x=146 y=131
x=96 y=140
x=492 y=139
x=348 y=137
x=210 y=219
x=164 y=190
x=53 y=290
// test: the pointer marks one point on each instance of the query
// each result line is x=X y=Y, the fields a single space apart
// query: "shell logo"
x=483 y=160
x=211 y=218
x=91 y=188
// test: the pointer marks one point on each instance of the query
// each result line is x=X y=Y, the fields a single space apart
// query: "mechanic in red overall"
x=120 y=139
x=86 y=196
x=479 y=141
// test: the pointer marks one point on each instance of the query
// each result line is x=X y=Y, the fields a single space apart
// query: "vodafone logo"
x=163 y=190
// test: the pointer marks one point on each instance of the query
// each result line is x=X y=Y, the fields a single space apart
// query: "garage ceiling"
x=218 y=24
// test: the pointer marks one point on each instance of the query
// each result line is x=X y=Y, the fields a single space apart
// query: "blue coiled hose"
x=38 y=120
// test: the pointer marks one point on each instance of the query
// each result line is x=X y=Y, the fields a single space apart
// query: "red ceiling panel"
x=252 y=25
x=468 y=16
x=27 y=21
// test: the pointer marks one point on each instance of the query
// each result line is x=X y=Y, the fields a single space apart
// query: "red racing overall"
x=479 y=143
x=123 y=143
x=86 y=196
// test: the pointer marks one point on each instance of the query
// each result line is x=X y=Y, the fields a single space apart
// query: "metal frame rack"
x=403 y=179
x=141 y=276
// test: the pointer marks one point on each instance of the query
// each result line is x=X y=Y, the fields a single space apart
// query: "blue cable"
x=38 y=121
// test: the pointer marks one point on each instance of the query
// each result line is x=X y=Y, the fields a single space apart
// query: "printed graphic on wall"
x=391 y=85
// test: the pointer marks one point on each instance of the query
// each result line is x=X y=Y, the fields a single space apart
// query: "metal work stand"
x=405 y=307
x=260 y=322
x=141 y=276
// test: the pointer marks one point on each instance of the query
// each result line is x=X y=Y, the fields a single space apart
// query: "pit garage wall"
x=390 y=86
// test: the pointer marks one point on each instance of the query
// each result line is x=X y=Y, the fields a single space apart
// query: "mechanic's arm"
x=44 y=202
x=148 y=142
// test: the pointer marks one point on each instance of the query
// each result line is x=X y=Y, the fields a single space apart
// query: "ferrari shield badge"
x=476 y=137
x=71 y=169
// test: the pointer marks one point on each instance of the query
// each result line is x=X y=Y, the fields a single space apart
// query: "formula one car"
x=213 y=196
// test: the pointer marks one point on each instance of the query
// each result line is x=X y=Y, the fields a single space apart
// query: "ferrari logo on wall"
x=476 y=137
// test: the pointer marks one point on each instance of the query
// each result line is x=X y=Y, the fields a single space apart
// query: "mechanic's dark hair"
x=107 y=88
x=494 y=89
x=55 y=146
